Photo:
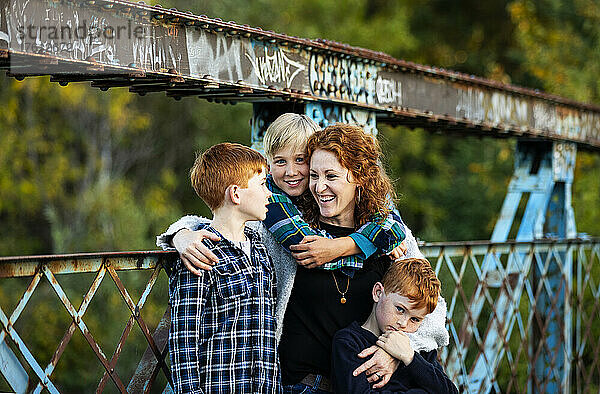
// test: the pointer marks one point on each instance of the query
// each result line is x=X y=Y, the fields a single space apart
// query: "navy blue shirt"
x=423 y=375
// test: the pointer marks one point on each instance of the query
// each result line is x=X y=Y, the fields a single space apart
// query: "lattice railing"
x=22 y=366
x=512 y=310
x=524 y=314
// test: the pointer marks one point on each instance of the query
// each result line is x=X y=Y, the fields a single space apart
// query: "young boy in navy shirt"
x=222 y=337
x=408 y=292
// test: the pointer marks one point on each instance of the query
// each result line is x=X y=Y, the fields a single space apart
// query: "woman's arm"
x=344 y=360
x=423 y=366
x=186 y=235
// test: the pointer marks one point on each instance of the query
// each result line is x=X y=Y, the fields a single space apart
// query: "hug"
x=306 y=280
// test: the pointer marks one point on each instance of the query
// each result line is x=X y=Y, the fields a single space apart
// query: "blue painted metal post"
x=544 y=171
x=533 y=175
x=323 y=114
x=553 y=304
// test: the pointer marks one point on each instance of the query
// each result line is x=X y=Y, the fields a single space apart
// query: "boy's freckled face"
x=398 y=313
x=289 y=170
x=255 y=197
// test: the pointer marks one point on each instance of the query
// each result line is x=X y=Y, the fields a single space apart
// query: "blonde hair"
x=223 y=165
x=289 y=129
x=414 y=279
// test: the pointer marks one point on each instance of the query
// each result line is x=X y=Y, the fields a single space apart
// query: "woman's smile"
x=333 y=188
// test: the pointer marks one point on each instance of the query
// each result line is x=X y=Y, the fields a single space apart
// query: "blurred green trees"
x=85 y=170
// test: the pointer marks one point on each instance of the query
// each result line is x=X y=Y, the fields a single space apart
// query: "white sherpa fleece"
x=432 y=333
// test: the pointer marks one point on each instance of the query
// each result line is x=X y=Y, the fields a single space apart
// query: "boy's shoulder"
x=228 y=253
x=354 y=333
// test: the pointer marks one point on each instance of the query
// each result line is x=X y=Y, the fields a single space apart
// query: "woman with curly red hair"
x=349 y=188
x=352 y=195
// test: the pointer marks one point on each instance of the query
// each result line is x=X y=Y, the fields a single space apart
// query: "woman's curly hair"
x=360 y=154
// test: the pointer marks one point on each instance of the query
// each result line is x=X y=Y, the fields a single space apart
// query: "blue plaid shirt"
x=285 y=222
x=222 y=337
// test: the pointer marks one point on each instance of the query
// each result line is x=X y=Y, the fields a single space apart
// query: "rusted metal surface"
x=135 y=310
x=151 y=49
x=43 y=266
x=83 y=262
x=148 y=367
x=460 y=266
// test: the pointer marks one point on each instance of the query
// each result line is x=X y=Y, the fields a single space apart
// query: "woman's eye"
x=280 y=162
x=331 y=177
x=313 y=176
x=300 y=160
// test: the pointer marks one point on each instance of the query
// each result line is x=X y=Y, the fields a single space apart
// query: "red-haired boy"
x=222 y=337
x=408 y=292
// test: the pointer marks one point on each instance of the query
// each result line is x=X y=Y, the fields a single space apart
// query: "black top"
x=424 y=372
x=314 y=313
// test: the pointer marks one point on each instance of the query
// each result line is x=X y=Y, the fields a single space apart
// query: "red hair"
x=223 y=165
x=414 y=279
x=359 y=153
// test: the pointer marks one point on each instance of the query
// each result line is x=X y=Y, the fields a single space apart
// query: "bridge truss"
x=147 y=49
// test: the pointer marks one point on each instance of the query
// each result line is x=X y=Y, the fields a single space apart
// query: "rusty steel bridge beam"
x=115 y=43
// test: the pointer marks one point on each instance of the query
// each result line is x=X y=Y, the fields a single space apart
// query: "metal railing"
x=500 y=317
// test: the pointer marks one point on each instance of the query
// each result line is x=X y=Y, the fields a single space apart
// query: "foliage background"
x=84 y=170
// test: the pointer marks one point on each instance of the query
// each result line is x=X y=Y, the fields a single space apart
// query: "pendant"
x=343 y=300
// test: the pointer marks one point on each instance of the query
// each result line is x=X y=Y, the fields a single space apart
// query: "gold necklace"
x=343 y=294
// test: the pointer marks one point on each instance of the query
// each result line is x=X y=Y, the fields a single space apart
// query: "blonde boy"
x=222 y=337
x=409 y=291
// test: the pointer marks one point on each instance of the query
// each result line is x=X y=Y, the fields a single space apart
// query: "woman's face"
x=289 y=170
x=333 y=187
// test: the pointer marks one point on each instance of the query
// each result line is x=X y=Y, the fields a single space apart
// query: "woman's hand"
x=397 y=344
x=314 y=251
x=196 y=256
x=399 y=251
x=379 y=368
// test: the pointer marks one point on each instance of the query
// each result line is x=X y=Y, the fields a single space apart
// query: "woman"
x=369 y=201
x=348 y=187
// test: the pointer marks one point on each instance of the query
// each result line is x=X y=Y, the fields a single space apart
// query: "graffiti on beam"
x=158 y=49
x=327 y=114
x=67 y=33
x=389 y=90
x=234 y=58
x=345 y=79
x=566 y=122
x=218 y=56
x=492 y=107
x=275 y=68
x=88 y=33
x=4 y=37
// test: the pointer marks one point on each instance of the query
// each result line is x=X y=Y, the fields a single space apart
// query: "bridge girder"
x=115 y=43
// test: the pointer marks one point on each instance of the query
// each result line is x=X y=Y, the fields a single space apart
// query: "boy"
x=409 y=291
x=284 y=145
x=222 y=337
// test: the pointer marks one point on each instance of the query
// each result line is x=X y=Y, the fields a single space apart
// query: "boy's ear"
x=232 y=193
x=377 y=291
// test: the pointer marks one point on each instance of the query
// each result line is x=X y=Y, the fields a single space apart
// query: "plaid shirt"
x=222 y=337
x=285 y=222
